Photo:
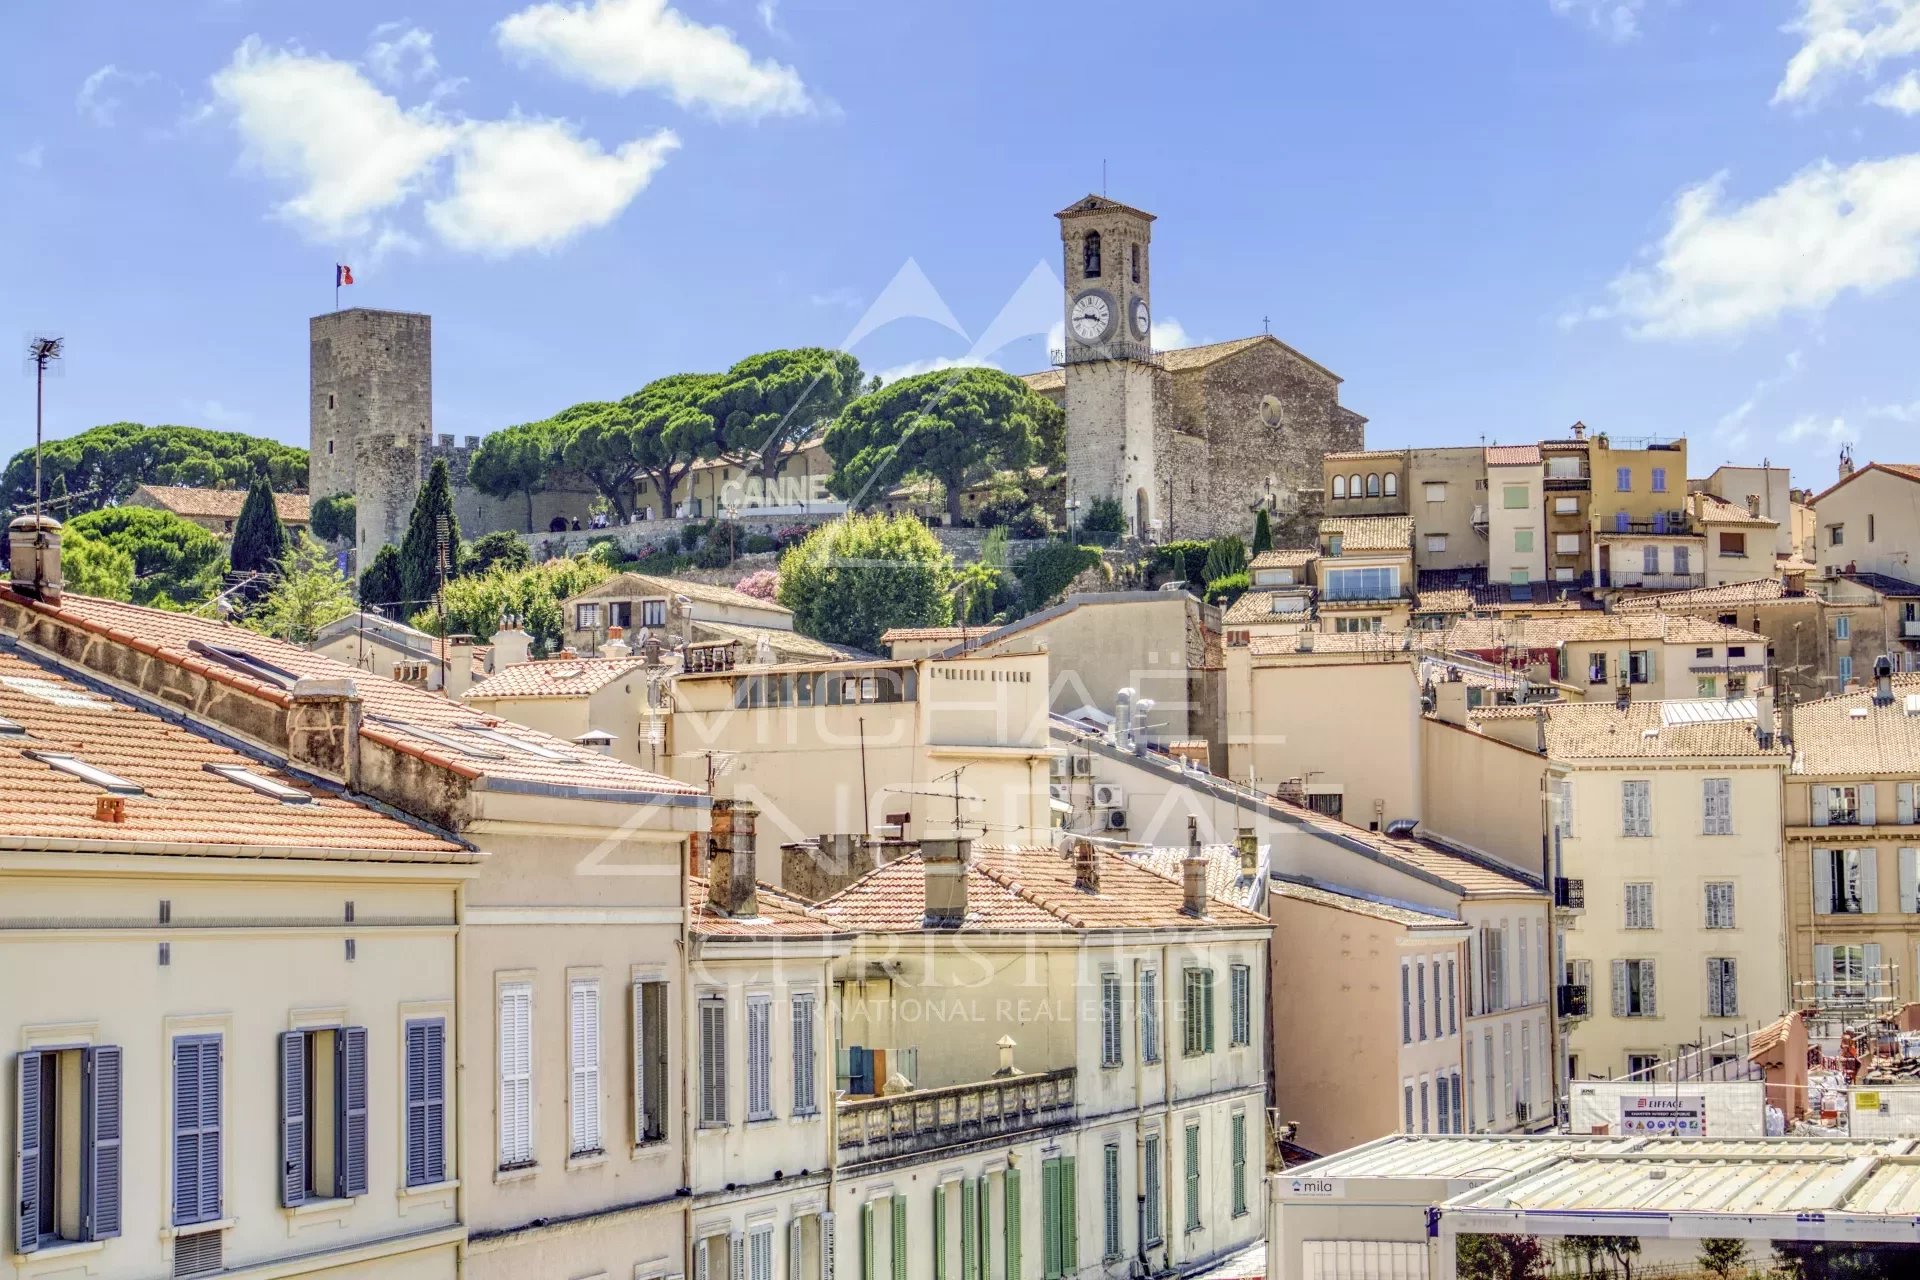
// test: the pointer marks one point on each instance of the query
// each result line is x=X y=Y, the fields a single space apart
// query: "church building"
x=1191 y=442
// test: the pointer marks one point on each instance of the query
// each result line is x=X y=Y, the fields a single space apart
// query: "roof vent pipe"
x=1193 y=873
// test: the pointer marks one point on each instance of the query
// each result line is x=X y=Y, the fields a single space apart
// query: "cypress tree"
x=380 y=583
x=1262 y=532
x=259 y=539
x=420 y=548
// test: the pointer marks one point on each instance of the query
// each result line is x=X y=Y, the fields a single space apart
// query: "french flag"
x=342 y=275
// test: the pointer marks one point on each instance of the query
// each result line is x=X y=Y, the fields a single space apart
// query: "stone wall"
x=370 y=414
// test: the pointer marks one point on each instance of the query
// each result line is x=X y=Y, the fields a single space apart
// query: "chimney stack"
x=323 y=728
x=1086 y=867
x=945 y=860
x=1540 y=727
x=732 y=879
x=1883 y=681
x=1005 y=1044
x=1786 y=714
x=1763 y=721
x=33 y=546
x=1248 y=843
x=511 y=646
x=616 y=645
x=1193 y=874
x=1753 y=504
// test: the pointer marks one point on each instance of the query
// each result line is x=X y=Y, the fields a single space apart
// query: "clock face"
x=1141 y=323
x=1091 y=316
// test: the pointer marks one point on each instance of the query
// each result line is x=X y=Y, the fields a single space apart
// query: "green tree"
x=259 y=539
x=380 y=584
x=310 y=593
x=420 y=546
x=767 y=405
x=95 y=567
x=176 y=563
x=1049 y=570
x=1478 y=1257
x=1105 y=521
x=1724 y=1259
x=102 y=466
x=1225 y=590
x=854 y=578
x=333 y=519
x=1618 y=1252
x=952 y=425
x=477 y=603
x=1226 y=557
x=674 y=428
x=1262 y=532
x=516 y=460
x=501 y=547
x=974 y=588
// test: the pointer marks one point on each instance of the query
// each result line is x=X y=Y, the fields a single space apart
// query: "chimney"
x=1883 y=681
x=1248 y=843
x=511 y=646
x=1005 y=1044
x=1763 y=722
x=1753 y=504
x=1786 y=715
x=616 y=645
x=1086 y=867
x=945 y=860
x=1579 y=431
x=1450 y=702
x=732 y=884
x=459 y=676
x=1193 y=874
x=323 y=728
x=1793 y=582
x=1540 y=727
x=33 y=547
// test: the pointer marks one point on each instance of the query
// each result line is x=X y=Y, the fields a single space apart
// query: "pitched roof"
x=1368 y=642
x=1284 y=558
x=220 y=504
x=1257 y=606
x=1225 y=878
x=779 y=915
x=1444 y=600
x=1370 y=533
x=1046 y=380
x=181 y=803
x=553 y=678
x=1850 y=733
x=1899 y=470
x=398 y=716
x=790 y=645
x=894 y=635
x=1476 y=634
x=1474 y=877
x=1651 y=730
x=1755 y=591
x=647 y=584
x=1091 y=203
x=1513 y=455
x=1356 y=904
x=1363 y=455
x=1027 y=890
x=1713 y=509
x=1885 y=584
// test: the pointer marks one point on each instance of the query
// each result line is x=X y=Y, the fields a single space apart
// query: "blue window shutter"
x=186 y=1131
x=437 y=1101
x=101 y=1122
x=26 y=1153
x=293 y=1118
x=350 y=1126
x=210 y=1137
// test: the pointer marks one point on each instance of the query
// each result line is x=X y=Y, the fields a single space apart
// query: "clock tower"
x=1111 y=375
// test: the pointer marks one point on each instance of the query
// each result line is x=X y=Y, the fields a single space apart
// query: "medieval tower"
x=371 y=416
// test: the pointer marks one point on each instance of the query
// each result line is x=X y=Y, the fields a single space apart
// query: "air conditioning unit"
x=1057 y=768
x=1116 y=819
x=1057 y=791
x=1831 y=571
x=1108 y=796
x=1083 y=766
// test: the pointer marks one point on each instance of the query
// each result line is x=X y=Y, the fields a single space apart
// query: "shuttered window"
x=1717 y=801
x=940 y=1271
x=1010 y=1210
x=1420 y=999
x=1110 y=1054
x=1723 y=988
x=1453 y=997
x=1149 y=1015
x=426 y=1103
x=1406 y=1108
x=1634 y=989
x=1636 y=808
x=713 y=1061
x=650 y=1101
x=1240 y=984
x=1406 y=1002
x=805 y=1055
x=196 y=1129
x=67 y=1190
x=1193 y=1177
x=1719 y=904
x=1060 y=1207
x=1239 y=1164
x=1563 y=820
x=1150 y=1188
x=1110 y=1202
x=1639 y=905
x=1197 y=1011
x=759 y=1057
x=516 y=1075
x=972 y=1229
x=899 y=1238
x=1909 y=883
x=760 y=1252
x=583 y=1067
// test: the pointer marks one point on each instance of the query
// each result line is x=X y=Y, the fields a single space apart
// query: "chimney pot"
x=1086 y=867
x=1006 y=1046
x=1883 y=681
x=945 y=861
x=34 y=551
x=1248 y=842
x=1193 y=874
x=732 y=878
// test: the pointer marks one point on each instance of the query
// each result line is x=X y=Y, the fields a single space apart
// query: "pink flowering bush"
x=761 y=584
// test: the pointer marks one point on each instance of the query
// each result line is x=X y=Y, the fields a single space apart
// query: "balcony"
x=1569 y=895
x=1566 y=484
x=1637 y=579
x=1480 y=519
x=1574 y=1000
x=878 y=1128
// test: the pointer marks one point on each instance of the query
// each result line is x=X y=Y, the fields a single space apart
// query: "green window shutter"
x=969 y=1230
x=1050 y=1218
x=1193 y=1177
x=1010 y=1190
x=899 y=1238
x=1240 y=1163
x=1069 y=1219
x=866 y=1242
x=1206 y=1006
x=940 y=1233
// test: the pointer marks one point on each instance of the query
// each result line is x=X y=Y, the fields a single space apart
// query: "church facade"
x=1191 y=442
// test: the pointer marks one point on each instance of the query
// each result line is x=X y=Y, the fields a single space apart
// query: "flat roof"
x=1483 y=1156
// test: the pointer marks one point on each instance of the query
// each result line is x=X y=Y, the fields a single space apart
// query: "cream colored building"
x=1084 y=1039
x=1670 y=839
x=1868 y=521
x=1515 y=515
x=1363 y=576
x=377 y=644
x=1740 y=541
x=216 y=510
x=1765 y=492
x=1852 y=845
x=677 y=611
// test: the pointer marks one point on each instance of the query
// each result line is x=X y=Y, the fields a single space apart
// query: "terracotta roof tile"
x=1713 y=509
x=1319 y=896
x=1756 y=591
x=1370 y=533
x=780 y=916
x=1649 y=730
x=1852 y=734
x=1284 y=558
x=1256 y=606
x=1363 y=455
x=218 y=504
x=893 y=635
x=1513 y=455
x=646 y=584
x=1347 y=642
x=1475 y=878
x=1226 y=880
x=553 y=678
x=788 y=646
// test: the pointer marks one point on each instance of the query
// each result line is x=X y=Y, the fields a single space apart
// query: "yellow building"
x=1363 y=575
x=1638 y=484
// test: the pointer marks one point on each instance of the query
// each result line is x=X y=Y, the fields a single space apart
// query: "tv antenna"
x=959 y=826
x=42 y=350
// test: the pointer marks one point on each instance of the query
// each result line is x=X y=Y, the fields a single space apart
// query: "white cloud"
x=535 y=184
x=1732 y=429
x=95 y=99
x=1903 y=95
x=1846 y=37
x=629 y=45
x=1897 y=412
x=218 y=415
x=349 y=149
x=1617 y=20
x=766 y=10
x=1819 y=430
x=911 y=367
x=1722 y=268
x=841 y=297
x=398 y=54
x=1167 y=334
x=32 y=157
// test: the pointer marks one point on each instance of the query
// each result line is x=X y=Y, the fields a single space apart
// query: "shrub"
x=501 y=547
x=1050 y=570
x=758 y=544
x=1226 y=557
x=1185 y=559
x=716 y=552
x=1262 y=532
x=761 y=584
x=851 y=580
x=1226 y=589
x=332 y=519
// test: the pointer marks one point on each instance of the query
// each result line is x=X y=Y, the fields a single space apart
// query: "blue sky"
x=1492 y=217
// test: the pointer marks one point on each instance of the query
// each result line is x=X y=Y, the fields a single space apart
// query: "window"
x=1842 y=806
x=1659 y=484
x=1453 y=1003
x=1109 y=1202
x=650 y=1100
x=1090 y=256
x=1339 y=486
x=1149 y=1015
x=323 y=1114
x=1240 y=988
x=1060 y=1207
x=1526 y=1066
x=1110 y=1055
x=1523 y=540
x=1566 y=544
x=67 y=1148
x=1563 y=821
x=1193 y=1177
x=1705 y=686
x=1334 y=542
x=1390 y=485
x=1443 y=1105
x=586 y=617
x=1519 y=578
x=1641 y=1066
x=1909 y=881
x=1426 y=1104
x=1197 y=1011
x=1133 y=261
x=1439 y=1027
x=1843 y=972
x=1597 y=668
x=1845 y=882
x=1486 y=1073
x=1843 y=667
x=1843 y=628
x=1636 y=808
x=1682 y=564
x=1719 y=904
x=1436 y=491
x=1733 y=544
x=713 y=1061
x=1150 y=1187
x=1723 y=988
x=1869 y=526
x=1355 y=488
x=1717 y=800
x=1436 y=543
x=1506 y=1069
x=653 y=613
x=329 y=443
x=760 y=1252
x=426 y=1098
x=1493 y=982
x=1356 y=626
x=1623 y=480
x=1513 y=497
x=583 y=1067
x=1639 y=666
x=1420 y=998
x=1406 y=1002
x=759 y=1057
x=1373 y=486
x=516 y=1075
x=1381 y=583
x=1633 y=989
x=1836 y=535
x=1525 y=969
x=1566 y=506
x=1650 y=559
x=196 y=1129
x=1406 y=1107
x=805 y=1054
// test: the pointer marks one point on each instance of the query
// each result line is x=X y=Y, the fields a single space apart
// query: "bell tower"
x=1108 y=353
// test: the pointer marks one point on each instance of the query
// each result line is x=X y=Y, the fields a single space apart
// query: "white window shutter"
x=1648 y=1002
x=1870 y=954
x=737 y=1255
x=1823 y=882
x=1627 y=808
x=583 y=1017
x=1869 y=792
x=701 y=1268
x=1619 y=988
x=1909 y=883
x=1817 y=798
x=639 y=1063
x=516 y=1074
x=1870 y=880
x=1823 y=970
x=1903 y=803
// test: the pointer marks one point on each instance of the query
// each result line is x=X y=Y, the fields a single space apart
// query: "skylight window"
x=60 y=695
x=109 y=782
x=259 y=782
x=9 y=729
x=428 y=735
x=508 y=740
x=242 y=661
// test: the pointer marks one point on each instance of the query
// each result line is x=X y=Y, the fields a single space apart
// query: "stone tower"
x=371 y=416
x=1110 y=372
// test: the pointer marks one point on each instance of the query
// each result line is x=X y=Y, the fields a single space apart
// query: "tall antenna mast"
x=43 y=351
